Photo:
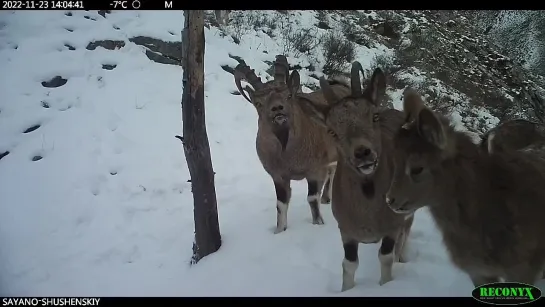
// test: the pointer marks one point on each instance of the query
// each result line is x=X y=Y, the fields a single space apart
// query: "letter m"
x=168 y=4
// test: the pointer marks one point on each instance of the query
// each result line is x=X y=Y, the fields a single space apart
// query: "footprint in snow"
x=109 y=66
x=4 y=154
x=32 y=128
x=56 y=81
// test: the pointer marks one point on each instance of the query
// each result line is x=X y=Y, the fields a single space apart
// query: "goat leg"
x=524 y=274
x=350 y=263
x=283 y=195
x=312 y=198
x=401 y=242
x=328 y=186
x=479 y=280
x=386 y=258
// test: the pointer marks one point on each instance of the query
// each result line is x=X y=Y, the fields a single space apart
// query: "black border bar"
x=252 y=301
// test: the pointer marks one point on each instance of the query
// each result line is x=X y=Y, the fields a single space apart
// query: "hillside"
x=519 y=34
x=94 y=191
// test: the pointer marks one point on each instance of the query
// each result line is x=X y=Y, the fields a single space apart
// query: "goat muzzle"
x=280 y=119
x=367 y=167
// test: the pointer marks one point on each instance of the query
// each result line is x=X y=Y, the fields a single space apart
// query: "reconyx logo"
x=506 y=293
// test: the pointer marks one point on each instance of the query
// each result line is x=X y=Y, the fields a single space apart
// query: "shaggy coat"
x=488 y=206
x=514 y=134
x=289 y=145
x=363 y=135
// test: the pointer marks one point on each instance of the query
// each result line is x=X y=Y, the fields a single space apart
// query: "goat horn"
x=281 y=68
x=355 y=82
x=328 y=93
x=243 y=72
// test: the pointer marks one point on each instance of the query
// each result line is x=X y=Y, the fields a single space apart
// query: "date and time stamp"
x=63 y=4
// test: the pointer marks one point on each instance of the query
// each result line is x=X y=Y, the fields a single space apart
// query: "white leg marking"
x=349 y=274
x=489 y=143
x=386 y=263
x=281 y=217
x=330 y=190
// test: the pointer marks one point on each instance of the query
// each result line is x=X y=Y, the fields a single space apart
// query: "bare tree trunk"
x=195 y=139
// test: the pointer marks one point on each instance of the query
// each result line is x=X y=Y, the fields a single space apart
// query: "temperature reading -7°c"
x=116 y=4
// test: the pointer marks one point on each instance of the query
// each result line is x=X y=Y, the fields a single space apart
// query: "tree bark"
x=195 y=138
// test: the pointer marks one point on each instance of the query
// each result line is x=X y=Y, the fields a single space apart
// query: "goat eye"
x=331 y=132
x=376 y=117
x=416 y=170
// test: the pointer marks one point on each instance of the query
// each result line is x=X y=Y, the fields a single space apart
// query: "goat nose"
x=390 y=201
x=362 y=152
x=277 y=108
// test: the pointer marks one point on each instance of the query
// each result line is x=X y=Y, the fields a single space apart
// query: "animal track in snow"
x=109 y=66
x=4 y=154
x=32 y=128
x=70 y=47
x=56 y=81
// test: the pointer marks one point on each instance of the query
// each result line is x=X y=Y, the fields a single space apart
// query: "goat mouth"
x=367 y=168
x=280 y=119
x=403 y=209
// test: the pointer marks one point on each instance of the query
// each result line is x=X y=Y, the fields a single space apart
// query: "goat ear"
x=294 y=82
x=431 y=129
x=327 y=91
x=377 y=86
x=412 y=104
x=316 y=112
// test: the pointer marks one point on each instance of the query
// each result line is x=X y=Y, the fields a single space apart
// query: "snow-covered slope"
x=95 y=201
x=519 y=33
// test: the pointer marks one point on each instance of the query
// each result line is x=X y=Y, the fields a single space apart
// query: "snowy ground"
x=108 y=210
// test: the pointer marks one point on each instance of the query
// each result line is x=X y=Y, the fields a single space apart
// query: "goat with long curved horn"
x=289 y=144
x=244 y=72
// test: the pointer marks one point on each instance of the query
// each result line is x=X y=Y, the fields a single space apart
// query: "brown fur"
x=517 y=134
x=488 y=207
x=363 y=134
x=290 y=147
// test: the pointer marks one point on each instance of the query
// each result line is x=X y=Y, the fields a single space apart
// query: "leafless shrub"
x=323 y=22
x=238 y=26
x=301 y=41
x=338 y=52
x=394 y=20
x=434 y=99
x=355 y=34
